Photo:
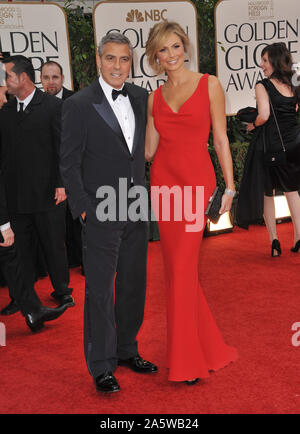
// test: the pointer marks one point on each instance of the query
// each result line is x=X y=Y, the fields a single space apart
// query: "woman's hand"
x=250 y=127
x=226 y=203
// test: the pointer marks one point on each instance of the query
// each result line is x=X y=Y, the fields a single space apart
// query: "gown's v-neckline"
x=173 y=111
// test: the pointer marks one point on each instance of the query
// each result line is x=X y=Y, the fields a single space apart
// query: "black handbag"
x=274 y=158
x=214 y=205
x=247 y=114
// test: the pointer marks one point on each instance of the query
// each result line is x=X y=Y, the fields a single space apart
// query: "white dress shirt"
x=123 y=111
x=4 y=227
x=26 y=101
x=59 y=94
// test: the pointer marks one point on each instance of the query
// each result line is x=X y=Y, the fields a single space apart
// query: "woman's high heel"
x=276 y=248
x=192 y=382
x=296 y=248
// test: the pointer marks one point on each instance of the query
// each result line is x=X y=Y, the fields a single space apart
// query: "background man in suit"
x=103 y=134
x=27 y=300
x=30 y=141
x=52 y=79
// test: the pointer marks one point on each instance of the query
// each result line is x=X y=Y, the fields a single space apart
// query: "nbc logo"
x=151 y=15
x=134 y=14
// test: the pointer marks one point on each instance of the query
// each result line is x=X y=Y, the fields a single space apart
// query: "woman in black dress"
x=281 y=88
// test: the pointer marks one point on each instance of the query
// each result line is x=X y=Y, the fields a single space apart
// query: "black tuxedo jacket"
x=66 y=93
x=3 y=207
x=30 y=153
x=94 y=151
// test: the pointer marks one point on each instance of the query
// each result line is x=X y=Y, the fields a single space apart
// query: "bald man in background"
x=52 y=79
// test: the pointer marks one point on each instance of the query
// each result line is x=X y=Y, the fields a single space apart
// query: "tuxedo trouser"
x=73 y=240
x=24 y=296
x=113 y=252
x=50 y=228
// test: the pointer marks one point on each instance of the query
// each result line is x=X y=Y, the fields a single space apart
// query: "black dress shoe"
x=137 y=364
x=63 y=299
x=35 y=320
x=10 y=308
x=107 y=383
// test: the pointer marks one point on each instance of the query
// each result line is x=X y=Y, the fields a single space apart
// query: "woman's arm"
x=152 y=136
x=221 y=144
x=263 y=107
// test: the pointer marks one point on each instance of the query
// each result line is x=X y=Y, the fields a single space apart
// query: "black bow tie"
x=115 y=93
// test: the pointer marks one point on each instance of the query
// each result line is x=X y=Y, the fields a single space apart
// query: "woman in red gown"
x=180 y=114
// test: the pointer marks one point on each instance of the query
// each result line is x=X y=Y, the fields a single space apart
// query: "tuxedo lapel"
x=104 y=110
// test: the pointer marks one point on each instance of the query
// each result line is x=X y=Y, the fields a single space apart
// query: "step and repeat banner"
x=38 y=31
x=243 y=28
x=134 y=19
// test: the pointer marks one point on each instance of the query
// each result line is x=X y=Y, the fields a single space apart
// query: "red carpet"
x=255 y=300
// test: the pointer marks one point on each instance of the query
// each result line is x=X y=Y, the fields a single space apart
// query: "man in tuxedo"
x=103 y=132
x=27 y=300
x=52 y=79
x=30 y=140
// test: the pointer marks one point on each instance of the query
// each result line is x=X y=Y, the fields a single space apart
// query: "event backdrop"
x=38 y=31
x=243 y=29
x=134 y=19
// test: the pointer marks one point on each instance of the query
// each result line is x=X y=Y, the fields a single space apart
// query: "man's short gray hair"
x=117 y=38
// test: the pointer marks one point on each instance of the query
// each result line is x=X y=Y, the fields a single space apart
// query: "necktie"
x=115 y=93
x=21 y=107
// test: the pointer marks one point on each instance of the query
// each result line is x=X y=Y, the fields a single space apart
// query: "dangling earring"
x=157 y=61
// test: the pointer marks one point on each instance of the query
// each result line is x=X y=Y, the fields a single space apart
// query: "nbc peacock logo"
x=134 y=15
x=147 y=15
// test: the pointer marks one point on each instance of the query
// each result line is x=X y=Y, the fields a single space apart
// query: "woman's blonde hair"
x=157 y=37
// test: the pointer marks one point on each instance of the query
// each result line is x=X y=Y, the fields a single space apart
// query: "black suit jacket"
x=66 y=93
x=3 y=207
x=30 y=153
x=94 y=151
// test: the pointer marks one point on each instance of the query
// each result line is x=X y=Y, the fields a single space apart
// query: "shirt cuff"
x=4 y=227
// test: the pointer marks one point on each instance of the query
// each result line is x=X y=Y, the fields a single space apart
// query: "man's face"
x=51 y=78
x=115 y=64
x=13 y=81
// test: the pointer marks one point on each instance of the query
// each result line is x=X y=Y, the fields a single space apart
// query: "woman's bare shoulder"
x=213 y=80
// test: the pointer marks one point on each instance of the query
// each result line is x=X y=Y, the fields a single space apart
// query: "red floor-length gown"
x=195 y=345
